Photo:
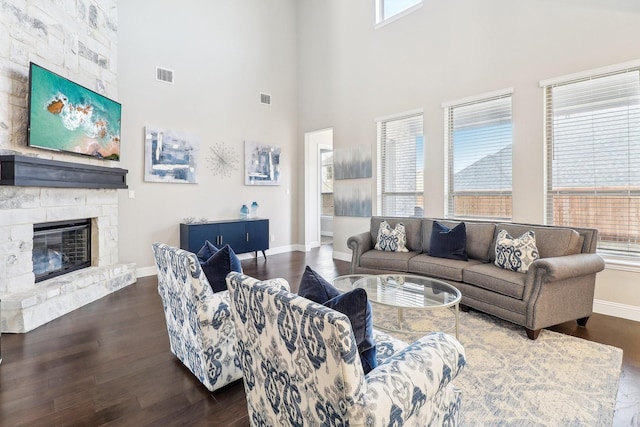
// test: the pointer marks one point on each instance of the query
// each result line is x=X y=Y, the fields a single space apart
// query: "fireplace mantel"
x=26 y=171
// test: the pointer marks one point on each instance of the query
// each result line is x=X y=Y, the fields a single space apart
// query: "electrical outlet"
x=273 y=237
x=132 y=194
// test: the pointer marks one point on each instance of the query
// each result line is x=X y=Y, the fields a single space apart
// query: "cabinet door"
x=193 y=236
x=258 y=235
x=233 y=234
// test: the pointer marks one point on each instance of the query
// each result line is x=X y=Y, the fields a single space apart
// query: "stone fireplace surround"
x=27 y=305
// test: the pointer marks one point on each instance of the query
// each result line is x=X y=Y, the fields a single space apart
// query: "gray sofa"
x=558 y=287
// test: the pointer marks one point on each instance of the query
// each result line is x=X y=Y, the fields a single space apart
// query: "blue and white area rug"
x=509 y=380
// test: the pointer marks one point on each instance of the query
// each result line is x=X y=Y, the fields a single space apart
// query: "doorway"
x=318 y=216
x=326 y=195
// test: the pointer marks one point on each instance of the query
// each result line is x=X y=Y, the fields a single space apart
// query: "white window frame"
x=380 y=170
x=381 y=21
x=617 y=259
x=450 y=191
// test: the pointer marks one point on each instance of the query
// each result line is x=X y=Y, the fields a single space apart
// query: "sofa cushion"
x=391 y=239
x=550 y=241
x=354 y=304
x=395 y=261
x=516 y=253
x=496 y=279
x=442 y=268
x=412 y=227
x=219 y=265
x=480 y=237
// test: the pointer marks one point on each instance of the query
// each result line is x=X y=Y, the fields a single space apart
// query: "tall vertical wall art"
x=352 y=162
x=352 y=199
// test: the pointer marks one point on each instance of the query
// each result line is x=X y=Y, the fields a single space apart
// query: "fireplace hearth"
x=61 y=247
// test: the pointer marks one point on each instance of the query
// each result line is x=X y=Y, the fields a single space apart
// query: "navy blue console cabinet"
x=243 y=235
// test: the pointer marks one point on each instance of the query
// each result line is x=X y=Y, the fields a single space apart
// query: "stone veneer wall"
x=78 y=40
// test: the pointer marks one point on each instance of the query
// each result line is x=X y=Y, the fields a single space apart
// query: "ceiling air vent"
x=265 y=98
x=164 y=75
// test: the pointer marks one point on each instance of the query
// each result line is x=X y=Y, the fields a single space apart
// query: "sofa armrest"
x=359 y=244
x=413 y=376
x=566 y=267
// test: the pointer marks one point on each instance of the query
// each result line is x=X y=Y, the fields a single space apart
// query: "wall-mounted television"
x=67 y=117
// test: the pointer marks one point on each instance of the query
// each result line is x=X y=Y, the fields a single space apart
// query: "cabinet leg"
x=263 y=254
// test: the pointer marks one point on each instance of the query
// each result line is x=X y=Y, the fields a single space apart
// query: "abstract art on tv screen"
x=261 y=164
x=170 y=156
x=65 y=116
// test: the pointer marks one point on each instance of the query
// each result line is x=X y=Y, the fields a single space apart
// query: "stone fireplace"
x=27 y=304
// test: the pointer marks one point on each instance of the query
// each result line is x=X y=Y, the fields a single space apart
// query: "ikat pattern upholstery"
x=516 y=254
x=391 y=239
x=301 y=366
x=201 y=332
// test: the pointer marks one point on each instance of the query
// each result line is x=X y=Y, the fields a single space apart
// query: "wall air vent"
x=164 y=75
x=265 y=98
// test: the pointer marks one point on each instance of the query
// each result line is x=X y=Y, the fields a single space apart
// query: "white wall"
x=351 y=73
x=223 y=54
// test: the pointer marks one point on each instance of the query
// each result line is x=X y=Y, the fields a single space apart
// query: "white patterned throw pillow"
x=516 y=254
x=391 y=239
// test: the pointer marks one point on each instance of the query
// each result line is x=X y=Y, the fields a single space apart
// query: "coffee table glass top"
x=407 y=291
x=345 y=283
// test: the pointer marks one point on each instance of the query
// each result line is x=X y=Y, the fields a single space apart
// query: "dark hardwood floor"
x=109 y=363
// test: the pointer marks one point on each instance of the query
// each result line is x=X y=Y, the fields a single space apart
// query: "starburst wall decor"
x=222 y=160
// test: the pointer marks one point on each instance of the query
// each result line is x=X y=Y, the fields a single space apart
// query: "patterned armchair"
x=301 y=366
x=201 y=332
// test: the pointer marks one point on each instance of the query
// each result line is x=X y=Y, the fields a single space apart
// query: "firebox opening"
x=61 y=247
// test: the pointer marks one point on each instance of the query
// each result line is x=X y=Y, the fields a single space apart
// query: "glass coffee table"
x=407 y=292
x=345 y=283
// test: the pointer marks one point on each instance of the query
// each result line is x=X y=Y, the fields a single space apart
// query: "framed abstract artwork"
x=261 y=164
x=170 y=156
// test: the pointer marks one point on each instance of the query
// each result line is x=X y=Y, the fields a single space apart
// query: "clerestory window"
x=388 y=10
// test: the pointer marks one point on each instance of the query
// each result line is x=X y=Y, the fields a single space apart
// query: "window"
x=400 y=166
x=479 y=140
x=387 y=9
x=593 y=156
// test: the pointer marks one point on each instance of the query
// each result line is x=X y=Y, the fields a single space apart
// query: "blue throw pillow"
x=219 y=265
x=448 y=242
x=206 y=251
x=316 y=288
x=354 y=304
x=358 y=309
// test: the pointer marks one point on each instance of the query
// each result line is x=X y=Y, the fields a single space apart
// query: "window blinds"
x=593 y=156
x=479 y=140
x=400 y=166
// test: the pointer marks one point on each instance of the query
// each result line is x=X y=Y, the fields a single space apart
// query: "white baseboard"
x=624 y=311
x=146 y=271
x=342 y=256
